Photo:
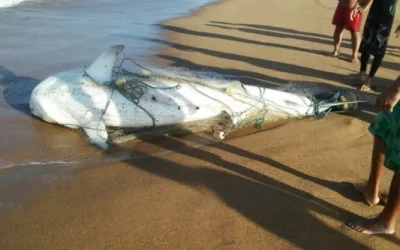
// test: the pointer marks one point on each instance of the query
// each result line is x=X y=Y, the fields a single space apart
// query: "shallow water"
x=39 y=37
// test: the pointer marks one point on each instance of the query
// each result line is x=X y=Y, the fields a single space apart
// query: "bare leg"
x=385 y=222
x=337 y=38
x=355 y=42
x=371 y=190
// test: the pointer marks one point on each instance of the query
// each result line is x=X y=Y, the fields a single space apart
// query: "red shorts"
x=342 y=17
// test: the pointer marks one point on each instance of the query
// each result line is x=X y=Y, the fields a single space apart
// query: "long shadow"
x=391 y=65
x=382 y=82
x=265 y=63
x=17 y=89
x=247 y=77
x=292 y=31
x=278 y=29
x=239 y=39
x=385 y=64
x=273 y=33
x=278 y=208
x=306 y=36
x=262 y=63
x=393 y=52
x=343 y=188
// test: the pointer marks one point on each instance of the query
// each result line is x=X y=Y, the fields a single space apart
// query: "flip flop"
x=359 y=226
x=366 y=88
x=360 y=87
x=382 y=198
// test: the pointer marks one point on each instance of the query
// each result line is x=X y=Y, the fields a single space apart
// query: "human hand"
x=357 y=9
x=386 y=101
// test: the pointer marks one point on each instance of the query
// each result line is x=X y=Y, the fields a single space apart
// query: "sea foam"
x=9 y=3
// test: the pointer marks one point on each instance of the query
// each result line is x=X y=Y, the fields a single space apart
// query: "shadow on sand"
x=296 y=34
x=17 y=89
x=269 y=203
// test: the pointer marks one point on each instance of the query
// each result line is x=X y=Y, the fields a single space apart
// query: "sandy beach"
x=287 y=187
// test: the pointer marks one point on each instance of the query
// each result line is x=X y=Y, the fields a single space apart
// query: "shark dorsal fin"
x=101 y=70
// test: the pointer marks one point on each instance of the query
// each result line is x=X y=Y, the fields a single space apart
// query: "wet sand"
x=287 y=187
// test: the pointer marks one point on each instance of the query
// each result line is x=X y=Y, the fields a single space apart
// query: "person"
x=386 y=153
x=375 y=39
x=346 y=18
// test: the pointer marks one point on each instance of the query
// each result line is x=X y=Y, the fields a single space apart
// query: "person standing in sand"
x=386 y=153
x=346 y=18
x=375 y=38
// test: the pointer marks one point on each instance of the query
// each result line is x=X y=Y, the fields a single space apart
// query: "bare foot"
x=372 y=226
x=355 y=60
x=370 y=199
x=335 y=53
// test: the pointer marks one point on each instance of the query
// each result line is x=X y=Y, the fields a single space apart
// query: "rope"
x=135 y=89
x=133 y=92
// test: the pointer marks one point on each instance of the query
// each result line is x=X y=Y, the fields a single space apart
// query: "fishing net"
x=133 y=83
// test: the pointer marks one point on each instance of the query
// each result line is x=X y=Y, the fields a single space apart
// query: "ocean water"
x=42 y=37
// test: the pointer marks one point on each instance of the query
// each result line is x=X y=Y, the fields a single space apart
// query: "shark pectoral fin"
x=98 y=135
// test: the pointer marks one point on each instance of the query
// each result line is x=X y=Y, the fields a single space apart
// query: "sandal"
x=367 y=88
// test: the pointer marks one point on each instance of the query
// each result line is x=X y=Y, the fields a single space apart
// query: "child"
x=348 y=15
x=386 y=153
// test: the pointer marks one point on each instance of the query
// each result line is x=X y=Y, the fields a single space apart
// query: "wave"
x=29 y=163
x=10 y=3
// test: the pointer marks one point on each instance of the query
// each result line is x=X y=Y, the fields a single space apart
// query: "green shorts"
x=386 y=126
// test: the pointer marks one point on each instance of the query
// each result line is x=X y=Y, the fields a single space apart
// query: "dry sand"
x=283 y=188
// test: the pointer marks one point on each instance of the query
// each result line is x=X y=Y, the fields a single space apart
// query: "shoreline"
x=269 y=188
